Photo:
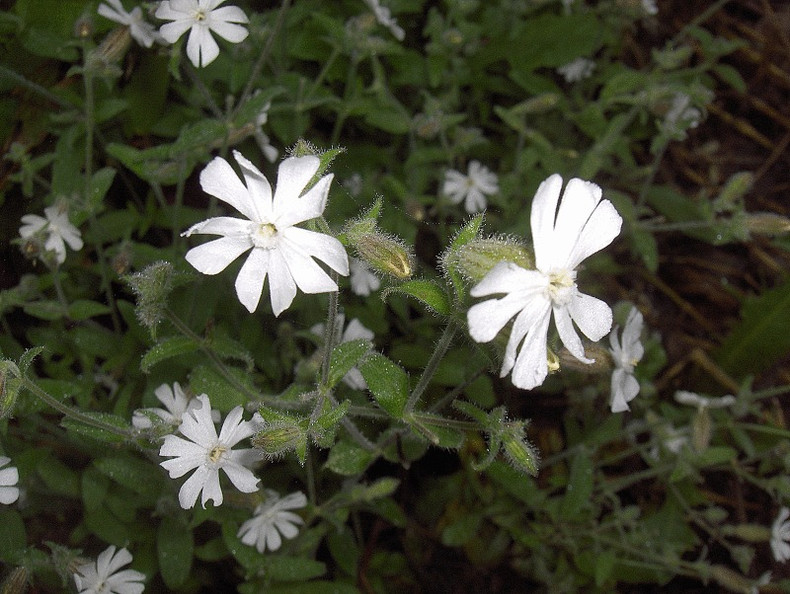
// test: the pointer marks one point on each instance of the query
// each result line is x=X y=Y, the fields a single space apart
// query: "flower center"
x=200 y=16
x=561 y=286
x=264 y=235
x=216 y=453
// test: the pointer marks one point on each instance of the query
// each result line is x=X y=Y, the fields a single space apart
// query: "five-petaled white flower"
x=472 y=188
x=355 y=330
x=562 y=238
x=626 y=354
x=780 y=536
x=141 y=31
x=58 y=230
x=206 y=454
x=103 y=577
x=577 y=70
x=200 y=18
x=176 y=404
x=271 y=520
x=9 y=478
x=650 y=7
x=280 y=250
x=363 y=281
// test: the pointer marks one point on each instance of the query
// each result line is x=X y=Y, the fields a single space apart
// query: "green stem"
x=433 y=363
x=36 y=88
x=215 y=360
x=329 y=334
x=350 y=87
x=71 y=413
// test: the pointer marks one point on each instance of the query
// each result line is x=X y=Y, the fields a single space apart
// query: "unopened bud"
x=386 y=254
x=701 y=430
x=733 y=581
x=735 y=189
x=602 y=359
x=278 y=439
x=152 y=286
x=767 y=223
x=303 y=148
x=114 y=46
x=474 y=260
x=519 y=452
x=749 y=532
x=538 y=104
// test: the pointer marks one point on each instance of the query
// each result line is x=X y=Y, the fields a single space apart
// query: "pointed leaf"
x=429 y=293
x=388 y=383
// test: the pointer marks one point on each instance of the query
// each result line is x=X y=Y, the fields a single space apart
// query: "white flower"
x=649 y=6
x=681 y=116
x=472 y=188
x=271 y=520
x=103 y=577
x=703 y=402
x=141 y=31
x=280 y=250
x=577 y=70
x=206 y=454
x=58 y=230
x=200 y=18
x=780 y=536
x=354 y=184
x=176 y=404
x=626 y=355
x=562 y=238
x=363 y=281
x=353 y=331
x=9 y=478
x=384 y=18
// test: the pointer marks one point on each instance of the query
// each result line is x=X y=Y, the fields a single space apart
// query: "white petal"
x=170 y=32
x=198 y=424
x=317 y=245
x=220 y=180
x=249 y=282
x=188 y=494
x=201 y=47
x=531 y=366
x=259 y=191
x=568 y=336
x=592 y=316
x=544 y=212
x=578 y=202
x=307 y=275
x=487 y=318
x=211 y=489
x=242 y=478
x=228 y=14
x=227 y=226
x=602 y=227
x=507 y=277
x=309 y=206
x=229 y=31
x=293 y=175
x=624 y=388
x=215 y=256
x=282 y=288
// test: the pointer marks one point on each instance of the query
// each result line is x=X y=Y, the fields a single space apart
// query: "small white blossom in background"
x=354 y=184
x=103 y=577
x=626 y=353
x=141 y=31
x=176 y=404
x=58 y=229
x=272 y=521
x=780 y=536
x=472 y=188
x=9 y=478
x=681 y=116
x=201 y=18
x=703 y=402
x=577 y=70
x=385 y=18
x=363 y=281
x=280 y=251
x=270 y=152
x=206 y=453
x=353 y=331
x=562 y=238
x=650 y=7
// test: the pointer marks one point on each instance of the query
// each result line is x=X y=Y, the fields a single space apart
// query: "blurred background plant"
x=432 y=478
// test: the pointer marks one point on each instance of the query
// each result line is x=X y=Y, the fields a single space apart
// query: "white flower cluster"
x=472 y=188
x=9 y=477
x=200 y=17
x=56 y=228
x=103 y=575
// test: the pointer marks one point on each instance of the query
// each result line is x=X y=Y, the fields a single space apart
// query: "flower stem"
x=433 y=363
x=31 y=386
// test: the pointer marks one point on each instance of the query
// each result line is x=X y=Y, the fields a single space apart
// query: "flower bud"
x=733 y=581
x=279 y=438
x=701 y=430
x=749 y=532
x=386 y=254
x=9 y=390
x=152 y=286
x=474 y=260
x=767 y=223
x=113 y=47
x=520 y=454
x=602 y=359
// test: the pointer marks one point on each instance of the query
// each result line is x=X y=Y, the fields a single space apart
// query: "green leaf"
x=100 y=184
x=293 y=569
x=83 y=309
x=104 y=435
x=223 y=395
x=45 y=310
x=429 y=293
x=348 y=459
x=167 y=349
x=174 y=547
x=762 y=338
x=344 y=550
x=580 y=485
x=462 y=530
x=435 y=429
x=59 y=478
x=388 y=383
x=13 y=537
x=134 y=474
x=345 y=357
